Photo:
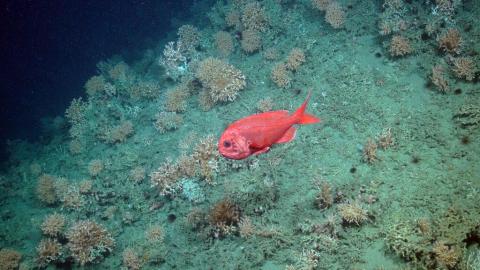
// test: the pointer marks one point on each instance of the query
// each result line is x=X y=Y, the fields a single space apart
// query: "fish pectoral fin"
x=261 y=151
x=288 y=136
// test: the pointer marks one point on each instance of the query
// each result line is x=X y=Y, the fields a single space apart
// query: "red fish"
x=255 y=134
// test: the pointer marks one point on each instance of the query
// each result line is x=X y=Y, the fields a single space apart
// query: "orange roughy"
x=255 y=134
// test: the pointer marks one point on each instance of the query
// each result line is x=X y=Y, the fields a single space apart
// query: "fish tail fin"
x=303 y=117
x=309 y=119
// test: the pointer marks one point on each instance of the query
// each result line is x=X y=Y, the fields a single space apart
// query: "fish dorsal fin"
x=288 y=136
x=261 y=119
x=272 y=115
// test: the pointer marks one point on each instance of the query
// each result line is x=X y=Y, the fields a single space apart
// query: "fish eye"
x=227 y=144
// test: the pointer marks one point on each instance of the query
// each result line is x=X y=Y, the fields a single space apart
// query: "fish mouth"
x=228 y=154
x=233 y=155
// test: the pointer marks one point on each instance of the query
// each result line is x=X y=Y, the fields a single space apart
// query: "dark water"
x=50 y=48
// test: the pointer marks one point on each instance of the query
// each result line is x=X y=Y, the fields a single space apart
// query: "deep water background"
x=50 y=48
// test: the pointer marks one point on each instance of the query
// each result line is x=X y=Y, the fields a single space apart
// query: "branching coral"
x=280 y=75
x=224 y=212
x=53 y=225
x=408 y=242
x=464 y=68
x=468 y=115
x=435 y=245
x=385 y=139
x=206 y=155
x=335 y=15
x=451 y=41
x=370 y=151
x=167 y=121
x=48 y=251
x=46 y=189
x=223 y=81
x=131 y=260
x=177 y=99
x=265 y=105
x=196 y=218
x=392 y=18
x=224 y=43
x=119 y=133
x=447 y=256
x=400 y=46
x=137 y=174
x=96 y=85
x=321 y=4
x=166 y=177
x=254 y=18
x=281 y=72
x=85 y=186
x=9 y=259
x=189 y=36
x=76 y=116
x=324 y=198
x=232 y=19
x=295 y=59
x=75 y=113
x=95 y=167
x=89 y=242
x=174 y=60
x=205 y=100
x=246 y=228
x=447 y=7
x=144 y=89
x=224 y=217
x=120 y=74
x=155 y=234
x=201 y=163
x=72 y=199
x=438 y=79
x=251 y=41
x=271 y=54
x=352 y=213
